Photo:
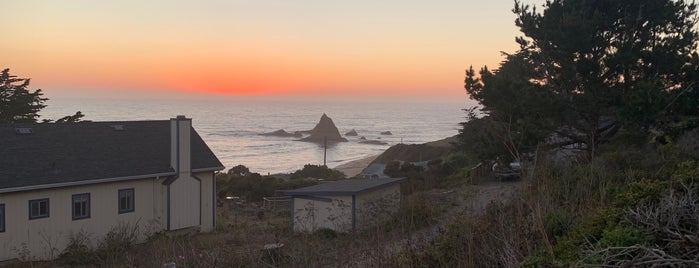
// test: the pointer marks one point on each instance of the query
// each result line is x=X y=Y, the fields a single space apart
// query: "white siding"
x=208 y=203
x=371 y=208
x=46 y=238
x=185 y=199
x=310 y=214
x=190 y=207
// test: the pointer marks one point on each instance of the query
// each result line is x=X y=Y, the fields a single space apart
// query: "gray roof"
x=87 y=152
x=344 y=187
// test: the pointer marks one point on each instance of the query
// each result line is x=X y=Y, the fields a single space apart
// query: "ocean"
x=231 y=125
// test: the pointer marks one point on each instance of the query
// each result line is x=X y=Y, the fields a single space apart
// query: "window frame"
x=129 y=193
x=80 y=198
x=38 y=202
x=2 y=218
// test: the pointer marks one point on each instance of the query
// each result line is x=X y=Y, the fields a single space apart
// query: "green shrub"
x=686 y=173
x=622 y=236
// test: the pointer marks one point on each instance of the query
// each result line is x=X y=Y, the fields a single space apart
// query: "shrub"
x=318 y=172
x=78 y=251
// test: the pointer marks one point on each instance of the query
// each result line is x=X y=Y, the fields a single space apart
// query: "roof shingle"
x=344 y=187
x=84 y=151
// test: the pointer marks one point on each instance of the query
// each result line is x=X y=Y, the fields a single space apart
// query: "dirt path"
x=472 y=201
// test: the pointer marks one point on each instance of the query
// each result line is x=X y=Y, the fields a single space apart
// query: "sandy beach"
x=355 y=167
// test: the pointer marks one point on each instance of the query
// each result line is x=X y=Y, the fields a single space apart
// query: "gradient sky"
x=256 y=47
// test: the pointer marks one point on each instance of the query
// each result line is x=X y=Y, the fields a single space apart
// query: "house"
x=57 y=180
x=344 y=205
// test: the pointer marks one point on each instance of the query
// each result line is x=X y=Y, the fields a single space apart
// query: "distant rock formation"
x=386 y=133
x=352 y=133
x=325 y=129
x=282 y=133
x=362 y=138
x=375 y=142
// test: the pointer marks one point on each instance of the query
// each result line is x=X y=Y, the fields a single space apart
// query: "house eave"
x=80 y=183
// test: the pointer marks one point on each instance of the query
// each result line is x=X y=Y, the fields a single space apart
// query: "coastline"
x=353 y=168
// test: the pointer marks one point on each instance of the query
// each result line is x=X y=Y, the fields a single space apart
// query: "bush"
x=253 y=187
x=78 y=251
x=318 y=172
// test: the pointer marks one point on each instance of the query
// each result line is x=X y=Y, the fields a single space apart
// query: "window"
x=81 y=206
x=38 y=208
x=2 y=218
x=126 y=200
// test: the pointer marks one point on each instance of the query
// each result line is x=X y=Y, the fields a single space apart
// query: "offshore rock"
x=282 y=133
x=325 y=129
x=386 y=133
x=352 y=133
x=375 y=142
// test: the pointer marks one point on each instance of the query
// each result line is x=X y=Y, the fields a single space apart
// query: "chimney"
x=180 y=148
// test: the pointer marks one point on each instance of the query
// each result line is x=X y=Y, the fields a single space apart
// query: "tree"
x=20 y=105
x=601 y=65
x=239 y=171
x=17 y=104
x=516 y=111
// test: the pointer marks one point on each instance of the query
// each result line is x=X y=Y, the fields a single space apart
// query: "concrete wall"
x=312 y=213
x=45 y=238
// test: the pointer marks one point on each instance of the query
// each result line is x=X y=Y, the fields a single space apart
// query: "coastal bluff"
x=325 y=129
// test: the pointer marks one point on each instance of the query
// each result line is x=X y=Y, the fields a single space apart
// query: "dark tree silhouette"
x=20 y=105
x=17 y=104
x=598 y=65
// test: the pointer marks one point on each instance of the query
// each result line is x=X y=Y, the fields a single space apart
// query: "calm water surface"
x=231 y=126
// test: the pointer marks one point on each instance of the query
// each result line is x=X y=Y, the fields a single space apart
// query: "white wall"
x=371 y=208
x=310 y=215
x=190 y=207
x=46 y=238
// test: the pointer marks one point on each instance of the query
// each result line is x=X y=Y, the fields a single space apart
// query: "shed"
x=344 y=205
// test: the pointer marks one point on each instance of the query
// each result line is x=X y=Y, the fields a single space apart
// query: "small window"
x=2 y=218
x=81 y=206
x=126 y=200
x=38 y=208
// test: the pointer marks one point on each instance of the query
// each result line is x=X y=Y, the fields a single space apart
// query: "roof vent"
x=24 y=130
x=118 y=127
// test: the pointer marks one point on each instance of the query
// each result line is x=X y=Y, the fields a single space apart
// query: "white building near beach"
x=58 y=180
x=344 y=205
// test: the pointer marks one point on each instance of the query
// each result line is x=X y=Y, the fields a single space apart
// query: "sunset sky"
x=257 y=47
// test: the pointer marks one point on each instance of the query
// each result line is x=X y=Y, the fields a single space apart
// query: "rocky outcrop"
x=352 y=133
x=386 y=133
x=282 y=133
x=324 y=130
x=375 y=142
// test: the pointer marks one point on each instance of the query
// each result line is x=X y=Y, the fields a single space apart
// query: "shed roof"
x=344 y=187
x=89 y=152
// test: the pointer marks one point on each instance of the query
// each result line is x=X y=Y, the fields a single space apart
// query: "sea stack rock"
x=386 y=133
x=325 y=129
x=351 y=133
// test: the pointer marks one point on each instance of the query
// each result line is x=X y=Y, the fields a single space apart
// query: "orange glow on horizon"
x=277 y=47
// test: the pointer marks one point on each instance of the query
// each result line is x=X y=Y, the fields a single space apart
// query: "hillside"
x=416 y=152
